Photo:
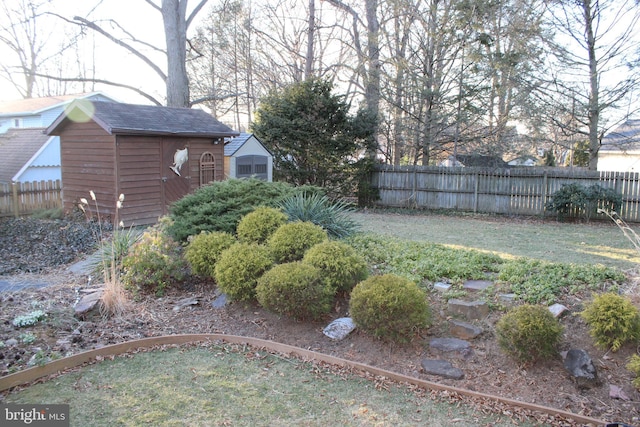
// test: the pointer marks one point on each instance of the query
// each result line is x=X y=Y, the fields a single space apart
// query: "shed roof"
x=37 y=105
x=231 y=147
x=17 y=147
x=129 y=119
x=625 y=137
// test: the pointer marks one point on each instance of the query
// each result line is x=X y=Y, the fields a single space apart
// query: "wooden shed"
x=152 y=155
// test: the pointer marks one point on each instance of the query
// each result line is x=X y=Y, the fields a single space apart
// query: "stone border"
x=31 y=374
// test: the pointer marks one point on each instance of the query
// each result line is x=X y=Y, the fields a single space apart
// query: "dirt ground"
x=487 y=370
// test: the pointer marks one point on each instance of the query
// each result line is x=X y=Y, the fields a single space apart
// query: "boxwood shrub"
x=342 y=267
x=290 y=241
x=239 y=268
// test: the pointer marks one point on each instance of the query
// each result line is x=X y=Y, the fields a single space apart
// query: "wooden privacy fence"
x=516 y=191
x=23 y=198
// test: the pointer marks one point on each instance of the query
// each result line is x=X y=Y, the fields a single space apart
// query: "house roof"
x=38 y=105
x=129 y=119
x=17 y=147
x=625 y=137
x=477 y=160
x=231 y=147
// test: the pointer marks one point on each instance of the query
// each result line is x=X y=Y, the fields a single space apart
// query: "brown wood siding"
x=198 y=146
x=88 y=164
x=139 y=178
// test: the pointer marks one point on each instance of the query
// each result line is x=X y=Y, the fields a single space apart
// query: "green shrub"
x=529 y=332
x=111 y=252
x=578 y=200
x=154 y=262
x=634 y=367
x=389 y=307
x=203 y=251
x=295 y=290
x=613 y=320
x=320 y=210
x=220 y=205
x=259 y=225
x=342 y=268
x=239 y=268
x=290 y=241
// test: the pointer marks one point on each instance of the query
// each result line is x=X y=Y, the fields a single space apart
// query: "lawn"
x=221 y=385
x=549 y=240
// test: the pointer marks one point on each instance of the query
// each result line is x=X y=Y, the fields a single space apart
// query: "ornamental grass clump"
x=239 y=268
x=529 y=333
x=295 y=290
x=320 y=210
x=342 y=267
x=390 y=307
x=613 y=320
x=259 y=225
x=290 y=241
x=204 y=250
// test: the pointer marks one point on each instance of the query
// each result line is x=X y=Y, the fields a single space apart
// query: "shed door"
x=175 y=171
x=248 y=166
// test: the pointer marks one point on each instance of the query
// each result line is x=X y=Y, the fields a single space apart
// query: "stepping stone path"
x=453 y=347
x=477 y=285
x=464 y=330
x=471 y=310
x=441 y=286
x=442 y=368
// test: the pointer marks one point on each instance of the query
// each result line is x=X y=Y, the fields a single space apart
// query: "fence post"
x=545 y=190
x=14 y=190
x=475 y=192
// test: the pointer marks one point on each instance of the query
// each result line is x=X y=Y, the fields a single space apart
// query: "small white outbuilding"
x=245 y=156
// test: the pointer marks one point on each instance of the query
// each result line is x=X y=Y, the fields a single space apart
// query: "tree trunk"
x=594 y=89
x=308 y=68
x=175 y=29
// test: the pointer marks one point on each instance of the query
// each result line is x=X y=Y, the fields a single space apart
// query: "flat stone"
x=442 y=368
x=464 y=330
x=616 y=392
x=87 y=303
x=557 y=310
x=339 y=328
x=185 y=302
x=441 y=286
x=471 y=310
x=507 y=298
x=477 y=285
x=220 y=301
x=453 y=347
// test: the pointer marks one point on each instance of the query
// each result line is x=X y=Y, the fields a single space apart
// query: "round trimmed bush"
x=389 y=307
x=259 y=225
x=342 y=267
x=295 y=290
x=613 y=320
x=238 y=269
x=290 y=241
x=529 y=332
x=203 y=251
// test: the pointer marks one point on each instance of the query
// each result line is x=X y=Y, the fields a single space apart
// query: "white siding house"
x=620 y=149
x=27 y=153
x=245 y=156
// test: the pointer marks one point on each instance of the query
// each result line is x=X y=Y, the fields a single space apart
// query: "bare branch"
x=84 y=22
x=215 y=98
x=106 y=82
x=195 y=12
x=155 y=6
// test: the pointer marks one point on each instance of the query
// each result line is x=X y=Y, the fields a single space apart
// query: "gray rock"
x=464 y=330
x=581 y=367
x=477 y=285
x=616 y=392
x=507 y=298
x=557 y=310
x=471 y=310
x=11 y=342
x=185 y=302
x=441 y=286
x=442 y=368
x=87 y=303
x=220 y=301
x=339 y=328
x=453 y=347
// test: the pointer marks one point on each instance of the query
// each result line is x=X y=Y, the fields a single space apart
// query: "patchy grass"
x=593 y=243
x=234 y=385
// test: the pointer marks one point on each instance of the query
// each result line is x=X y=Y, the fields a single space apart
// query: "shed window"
x=207 y=168
x=247 y=166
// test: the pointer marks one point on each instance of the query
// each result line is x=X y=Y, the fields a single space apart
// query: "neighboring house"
x=620 y=148
x=475 y=160
x=28 y=155
x=152 y=155
x=524 y=161
x=245 y=156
